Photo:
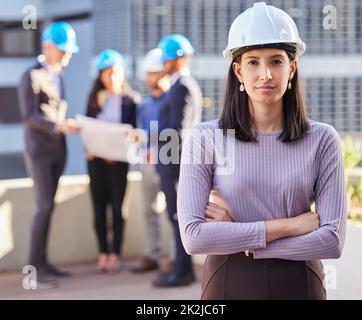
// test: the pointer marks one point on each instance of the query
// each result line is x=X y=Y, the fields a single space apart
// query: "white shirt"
x=179 y=74
x=111 y=111
x=56 y=76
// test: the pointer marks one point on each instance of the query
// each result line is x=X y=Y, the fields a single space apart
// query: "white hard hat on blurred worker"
x=262 y=26
x=152 y=61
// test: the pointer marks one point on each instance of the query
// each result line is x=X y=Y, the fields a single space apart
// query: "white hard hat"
x=152 y=61
x=262 y=25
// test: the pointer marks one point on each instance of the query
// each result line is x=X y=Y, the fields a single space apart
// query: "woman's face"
x=113 y=78
x=265 y=74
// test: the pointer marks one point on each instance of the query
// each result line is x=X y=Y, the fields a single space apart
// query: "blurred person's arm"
x=29 y=107
x=29 y=101
x=180 y=102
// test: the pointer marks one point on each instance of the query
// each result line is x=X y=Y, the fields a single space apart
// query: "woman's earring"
x=242 y=88
x=289 y=85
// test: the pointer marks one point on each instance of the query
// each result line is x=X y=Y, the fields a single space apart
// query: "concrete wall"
x=72 y=239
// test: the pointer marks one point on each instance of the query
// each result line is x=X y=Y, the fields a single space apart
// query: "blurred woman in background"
x=112 y=100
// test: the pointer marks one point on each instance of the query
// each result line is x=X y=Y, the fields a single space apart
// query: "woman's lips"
x=265 y=88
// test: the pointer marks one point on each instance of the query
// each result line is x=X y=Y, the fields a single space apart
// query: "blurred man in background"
x=43 y=109
x=181 y=109
x=157 y=84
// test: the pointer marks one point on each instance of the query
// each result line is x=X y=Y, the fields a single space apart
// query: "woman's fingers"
x=210 y=214
x=216 y=198
x=213 y=205
x=214 y=211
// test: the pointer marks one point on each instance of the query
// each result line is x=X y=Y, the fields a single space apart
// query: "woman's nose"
x=265 y=74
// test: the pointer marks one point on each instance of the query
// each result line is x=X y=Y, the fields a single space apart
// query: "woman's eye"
x=277 y=62
x=252 y=62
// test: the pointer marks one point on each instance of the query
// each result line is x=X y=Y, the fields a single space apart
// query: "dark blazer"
x=181 y=109
x=128 y=109
x=41 y=106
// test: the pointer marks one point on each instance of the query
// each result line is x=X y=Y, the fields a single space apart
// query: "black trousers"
x=108 y=186
x=183 y=260
x=238 y=277
x=45 y=172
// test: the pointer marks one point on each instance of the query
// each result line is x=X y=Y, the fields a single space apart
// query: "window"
x=9 y=107
x=15 y=41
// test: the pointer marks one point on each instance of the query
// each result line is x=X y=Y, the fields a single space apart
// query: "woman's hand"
x=213 y=212
x=217 y=209
x=109 y=161
x=90 y=156
x=304 y=223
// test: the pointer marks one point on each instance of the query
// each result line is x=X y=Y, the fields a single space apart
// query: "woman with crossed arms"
x=260 y=235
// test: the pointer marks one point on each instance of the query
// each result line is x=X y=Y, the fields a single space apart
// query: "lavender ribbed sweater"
x=271 y=180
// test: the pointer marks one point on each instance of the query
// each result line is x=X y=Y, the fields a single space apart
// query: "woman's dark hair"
x=93 y=96
x=235 y=113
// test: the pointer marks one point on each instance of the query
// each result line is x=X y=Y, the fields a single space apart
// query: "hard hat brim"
x=292 y=47
x=65 y=48
x=164 y=59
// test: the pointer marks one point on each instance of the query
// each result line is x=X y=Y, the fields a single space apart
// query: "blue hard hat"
x=175 y=46
x=108 y=58
x=62 y=35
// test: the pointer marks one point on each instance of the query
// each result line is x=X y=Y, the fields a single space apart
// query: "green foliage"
x=351 y=154
x=358 y=191
x=352 y=157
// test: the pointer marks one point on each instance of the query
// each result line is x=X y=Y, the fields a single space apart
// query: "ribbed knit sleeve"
x=195 y=183
x=331 y=206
